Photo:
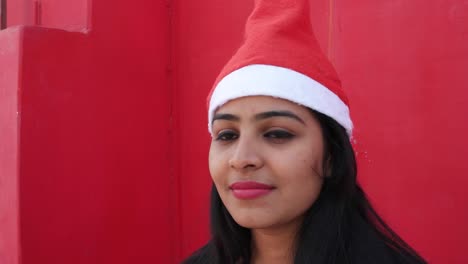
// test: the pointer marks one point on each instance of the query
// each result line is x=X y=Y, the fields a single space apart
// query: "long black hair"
x=340 y=227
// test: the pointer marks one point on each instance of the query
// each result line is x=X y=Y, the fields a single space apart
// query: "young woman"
x=282 y=164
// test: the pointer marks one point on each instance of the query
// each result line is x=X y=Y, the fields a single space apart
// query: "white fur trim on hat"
x=279 y=82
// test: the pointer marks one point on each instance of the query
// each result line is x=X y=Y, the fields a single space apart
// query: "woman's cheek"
x=215 y=165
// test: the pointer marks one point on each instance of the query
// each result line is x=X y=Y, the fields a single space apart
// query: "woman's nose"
x=246 y=156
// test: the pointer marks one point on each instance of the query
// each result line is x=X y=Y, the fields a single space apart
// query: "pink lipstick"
x=250 y=189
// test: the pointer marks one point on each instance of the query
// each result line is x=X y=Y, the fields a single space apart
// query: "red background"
x=103 y=131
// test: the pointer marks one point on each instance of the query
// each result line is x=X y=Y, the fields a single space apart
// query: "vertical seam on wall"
x=3 y=14
x=37 y=13
x=89 y=17
x=331 y=10
x=174 y=201
x=19 y=108
x=170 y=153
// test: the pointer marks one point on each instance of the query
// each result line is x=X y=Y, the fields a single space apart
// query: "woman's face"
x=266 y=160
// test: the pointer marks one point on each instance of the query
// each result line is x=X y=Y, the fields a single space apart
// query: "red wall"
x=405 y=64
x=106 y=161
x=9 y=211
x=94 y=179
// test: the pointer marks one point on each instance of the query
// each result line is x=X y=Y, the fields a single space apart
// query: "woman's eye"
x=278 y=136
x=226 y=136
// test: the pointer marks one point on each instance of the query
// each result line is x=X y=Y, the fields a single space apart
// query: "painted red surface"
x=94 y=177
x=405 y=65
x=9 y=121
x=72 y=15
x=106 y=161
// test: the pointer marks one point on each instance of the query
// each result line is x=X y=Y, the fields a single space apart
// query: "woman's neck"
x=274 y=245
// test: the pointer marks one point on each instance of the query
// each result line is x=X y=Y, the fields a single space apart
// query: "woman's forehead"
x=257 y=104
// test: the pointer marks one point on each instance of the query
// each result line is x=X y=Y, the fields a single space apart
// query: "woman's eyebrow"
x=259 y=116
x=271 y=114
x=228 y=117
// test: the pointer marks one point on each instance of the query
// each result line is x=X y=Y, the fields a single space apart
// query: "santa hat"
x=280 y=57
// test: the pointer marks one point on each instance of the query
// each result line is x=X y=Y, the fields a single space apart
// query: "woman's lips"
x=250 y=189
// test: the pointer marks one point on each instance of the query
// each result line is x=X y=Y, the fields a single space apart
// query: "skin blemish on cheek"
x=316 y=172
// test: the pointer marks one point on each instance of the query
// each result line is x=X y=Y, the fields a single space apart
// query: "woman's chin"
x=253 y=221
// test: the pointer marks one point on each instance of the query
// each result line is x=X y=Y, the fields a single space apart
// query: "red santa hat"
x=280 y=57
